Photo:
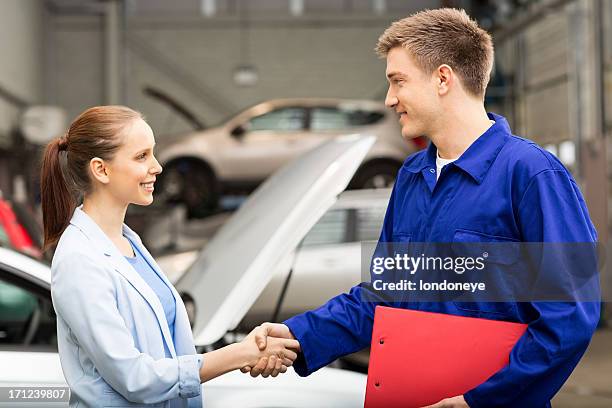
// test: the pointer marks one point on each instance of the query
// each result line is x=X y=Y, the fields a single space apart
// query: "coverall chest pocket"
x=499 y=257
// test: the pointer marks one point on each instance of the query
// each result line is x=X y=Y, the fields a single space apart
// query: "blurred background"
x=236 y=89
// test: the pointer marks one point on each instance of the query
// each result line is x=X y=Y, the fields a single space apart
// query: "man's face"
x=412 y=94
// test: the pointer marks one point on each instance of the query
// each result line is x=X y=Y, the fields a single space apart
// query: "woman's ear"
x=99 y=170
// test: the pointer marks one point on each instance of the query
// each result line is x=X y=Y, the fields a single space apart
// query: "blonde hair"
x=444 y=36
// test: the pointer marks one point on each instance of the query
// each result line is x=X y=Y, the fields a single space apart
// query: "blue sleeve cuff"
x=300 y=365
x=189 y=375
x=469 y=399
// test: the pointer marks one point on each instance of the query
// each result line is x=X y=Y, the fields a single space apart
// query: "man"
x=475 y=180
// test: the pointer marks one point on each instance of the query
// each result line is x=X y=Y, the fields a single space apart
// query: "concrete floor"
x=590 y=385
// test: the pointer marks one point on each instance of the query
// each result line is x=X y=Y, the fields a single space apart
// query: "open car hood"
x=238 y=263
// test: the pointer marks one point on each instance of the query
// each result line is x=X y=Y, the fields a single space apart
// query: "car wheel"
x=378 y=175
x=190 y=183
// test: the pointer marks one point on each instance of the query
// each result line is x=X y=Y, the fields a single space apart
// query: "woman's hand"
x=278 y=354
x=271 y=356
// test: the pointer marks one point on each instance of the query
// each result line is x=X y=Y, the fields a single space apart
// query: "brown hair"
x=94 y=133
x=444 y=36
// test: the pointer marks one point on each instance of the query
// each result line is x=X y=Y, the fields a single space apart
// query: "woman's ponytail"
x=58 y=200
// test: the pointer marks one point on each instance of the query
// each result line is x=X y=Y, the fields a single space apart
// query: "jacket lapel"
x=122 y=266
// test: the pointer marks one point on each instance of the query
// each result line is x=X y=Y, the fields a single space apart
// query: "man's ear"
x=99 y=170
x=445 y=78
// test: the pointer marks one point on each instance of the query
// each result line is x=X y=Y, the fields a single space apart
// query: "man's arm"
x=551 y=210
x=341 y=326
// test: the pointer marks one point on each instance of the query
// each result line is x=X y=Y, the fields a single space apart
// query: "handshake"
x=271 y=348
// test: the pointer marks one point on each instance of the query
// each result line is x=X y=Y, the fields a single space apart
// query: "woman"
x=123 y=333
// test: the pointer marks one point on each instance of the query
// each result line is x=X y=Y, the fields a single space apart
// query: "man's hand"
x=274 y=358
x=454 y=402
x=261 y=333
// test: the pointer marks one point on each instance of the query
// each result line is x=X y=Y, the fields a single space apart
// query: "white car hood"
x=239 y=261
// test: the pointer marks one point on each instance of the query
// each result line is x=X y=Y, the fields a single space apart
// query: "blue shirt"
x=502 y=188
x=163 y=292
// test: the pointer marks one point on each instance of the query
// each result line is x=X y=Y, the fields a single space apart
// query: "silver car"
x=239 y=154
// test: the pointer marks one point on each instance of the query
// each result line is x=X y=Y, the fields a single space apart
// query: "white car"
x=223 y=283
x=326 y=263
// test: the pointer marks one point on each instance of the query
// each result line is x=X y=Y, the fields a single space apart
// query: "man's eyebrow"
x=392 y=74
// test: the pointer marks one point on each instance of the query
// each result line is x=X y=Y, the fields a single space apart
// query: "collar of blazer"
x=102 y=242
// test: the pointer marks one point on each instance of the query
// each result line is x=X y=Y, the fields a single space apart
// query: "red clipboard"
x=419 y=358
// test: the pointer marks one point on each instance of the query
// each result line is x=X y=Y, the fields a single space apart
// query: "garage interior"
x=191 y=65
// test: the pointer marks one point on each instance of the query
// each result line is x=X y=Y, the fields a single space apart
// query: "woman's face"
x=132 y=171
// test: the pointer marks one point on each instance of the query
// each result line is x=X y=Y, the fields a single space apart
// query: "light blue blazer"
x=111 y=328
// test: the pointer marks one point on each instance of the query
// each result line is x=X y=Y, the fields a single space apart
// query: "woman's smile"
x=148 y=187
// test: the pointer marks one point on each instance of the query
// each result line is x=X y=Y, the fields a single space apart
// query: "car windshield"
x=347 y=225
x=27 y=318
x=331 y=118
x=327 y=117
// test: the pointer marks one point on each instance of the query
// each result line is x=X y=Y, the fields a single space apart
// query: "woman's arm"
x=278 y=355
